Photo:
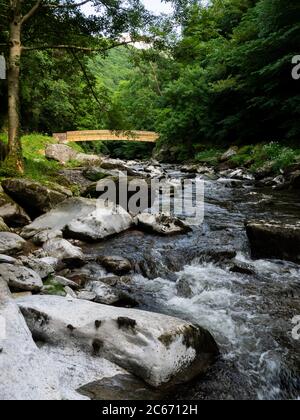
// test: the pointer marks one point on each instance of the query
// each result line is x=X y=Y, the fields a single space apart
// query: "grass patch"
x=210 y=156
x=37 y=167
x=272 y=154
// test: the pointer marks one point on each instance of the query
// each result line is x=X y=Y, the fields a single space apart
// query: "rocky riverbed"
x=104 y=305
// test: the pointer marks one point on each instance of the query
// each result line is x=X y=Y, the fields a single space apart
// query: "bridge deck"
x=106 y=135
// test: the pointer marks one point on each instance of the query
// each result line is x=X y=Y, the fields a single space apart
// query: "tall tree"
x=58 y=24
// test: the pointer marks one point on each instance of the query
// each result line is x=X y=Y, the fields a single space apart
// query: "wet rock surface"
x=270 y=239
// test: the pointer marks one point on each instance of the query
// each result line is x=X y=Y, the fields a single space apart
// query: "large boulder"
x=34 y=197
x=161 y=223
x=60 y=153
x=12 y=214
x=81 y=218
x=20 y=278
x=106 y=220
x=58 y=218
x=270 y=239
x=26 y=374
x=10 y=243
x=154 y=347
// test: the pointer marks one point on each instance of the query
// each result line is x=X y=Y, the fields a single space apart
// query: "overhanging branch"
x=76 y=47
x=32 y=11
x=68 y=6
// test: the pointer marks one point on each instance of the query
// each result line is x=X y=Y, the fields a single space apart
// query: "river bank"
x=205 y=276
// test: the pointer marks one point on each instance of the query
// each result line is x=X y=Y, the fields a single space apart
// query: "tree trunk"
x=15 y=158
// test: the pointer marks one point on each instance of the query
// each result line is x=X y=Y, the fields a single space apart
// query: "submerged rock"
x=116 y=265
x=161 y=223
x=154 y=347
x=34 y=197
x=20 y=278
x=270 y=239
x=10 y=243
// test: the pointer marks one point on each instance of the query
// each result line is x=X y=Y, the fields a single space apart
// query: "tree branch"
x=75 y=47
x=68 y=6
x=32 y=11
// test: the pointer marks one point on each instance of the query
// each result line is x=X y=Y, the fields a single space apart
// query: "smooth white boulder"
x=81 y=218
x=58 y=218
x=26 y=374
x=106 y=220
x=154 y=347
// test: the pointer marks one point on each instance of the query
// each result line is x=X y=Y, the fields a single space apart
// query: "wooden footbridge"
x=106 y=135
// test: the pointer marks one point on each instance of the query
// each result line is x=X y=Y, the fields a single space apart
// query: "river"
x=250 y=314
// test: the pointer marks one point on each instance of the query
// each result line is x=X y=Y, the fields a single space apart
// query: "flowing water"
x=250 y=315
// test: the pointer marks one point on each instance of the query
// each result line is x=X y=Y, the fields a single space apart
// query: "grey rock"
x=40 y=266
x=105 y=221
x=20 y=278
x=10 y=243
x=64 y=251
x=34 y=197
x=271 y=239
x=229 y=154
x=116 y=265
x=12 y=214
x=60 y=152
x=5 y=259
x=161 y=223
